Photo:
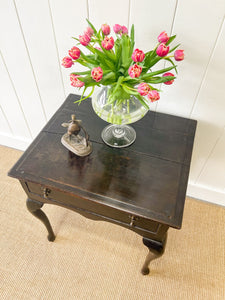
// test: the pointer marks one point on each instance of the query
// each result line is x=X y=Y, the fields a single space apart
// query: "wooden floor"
x=98 y=260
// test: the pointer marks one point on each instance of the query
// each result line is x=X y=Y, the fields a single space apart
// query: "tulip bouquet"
x=114 y=62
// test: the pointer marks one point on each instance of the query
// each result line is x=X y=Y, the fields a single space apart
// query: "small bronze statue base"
x=76 y=144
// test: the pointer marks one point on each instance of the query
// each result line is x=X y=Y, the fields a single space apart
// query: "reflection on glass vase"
x=118 y=134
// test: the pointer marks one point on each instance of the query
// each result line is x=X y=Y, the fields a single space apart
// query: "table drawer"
x=35 y=191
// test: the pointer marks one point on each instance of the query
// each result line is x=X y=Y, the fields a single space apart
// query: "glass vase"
x=118 y=134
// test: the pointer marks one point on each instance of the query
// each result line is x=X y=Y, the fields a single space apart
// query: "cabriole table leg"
x=156 y=249
x=34 y=207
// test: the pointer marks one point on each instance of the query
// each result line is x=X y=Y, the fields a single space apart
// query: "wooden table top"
x=148 y=178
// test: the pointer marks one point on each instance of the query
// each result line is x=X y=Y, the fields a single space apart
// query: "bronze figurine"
x=80 y=145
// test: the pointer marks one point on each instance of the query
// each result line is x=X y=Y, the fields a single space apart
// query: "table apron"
x=96 y=211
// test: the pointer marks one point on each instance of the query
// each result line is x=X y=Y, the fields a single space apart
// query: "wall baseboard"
x=207 y=194
x=14 y=142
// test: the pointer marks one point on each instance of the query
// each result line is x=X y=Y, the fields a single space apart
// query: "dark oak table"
x=141 y=187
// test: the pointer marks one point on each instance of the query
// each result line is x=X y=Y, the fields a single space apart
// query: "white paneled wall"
x=36 y=35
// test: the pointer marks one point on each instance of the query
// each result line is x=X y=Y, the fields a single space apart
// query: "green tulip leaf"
x=149 y=75
x=171 y=39
x=174 y=48
x=92 y=26
x=170 y=60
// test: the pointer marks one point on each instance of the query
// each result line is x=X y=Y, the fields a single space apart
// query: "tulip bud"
x=117 y=28
x=135 y=71
x=97 y=73
x=108 y=43
x=124 y=30
x=67 y=62
x=143 y=89
x=84 y=39
x=89 y=31
x=138 y=55
x=153 y=96
x=105 y=29
x=74 y=52
x=162 y=50
x=163 y=37
x=75 y=81
x=170 y=81
x=179 y=55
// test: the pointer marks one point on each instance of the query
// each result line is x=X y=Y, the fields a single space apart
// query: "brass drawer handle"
x=132 y=219
x=46 y=192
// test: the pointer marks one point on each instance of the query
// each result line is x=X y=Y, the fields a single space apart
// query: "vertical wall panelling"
x=69 y=20
x=150 y=19
x=110 y=12
x=11 y=106
x=209 y=109
x=87 y=7
x=37 y=28
x=213 y=173
x=196 y=24
x=4 y=124
x=19 y=66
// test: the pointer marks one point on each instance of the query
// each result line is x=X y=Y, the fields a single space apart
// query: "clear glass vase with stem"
x=119 y=114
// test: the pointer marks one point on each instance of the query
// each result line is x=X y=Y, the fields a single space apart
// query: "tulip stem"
x=129 y=88
x=128 y=106
x=155 y=47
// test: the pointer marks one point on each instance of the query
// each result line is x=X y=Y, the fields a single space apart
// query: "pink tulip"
x=143 y=89
x=134 y=71
x=89 y=31
x=74 y=52
x=179 y=55
x=97 y=73
x=67 y=62
x=108 y=43
x=138 y=55
x=117 y=28
x=105 y=29
x=170 y=81
x=153 y=96
x=75 y=81
x=163 y=37
x=162 y=50
x=84 y=39
x=124 y=30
